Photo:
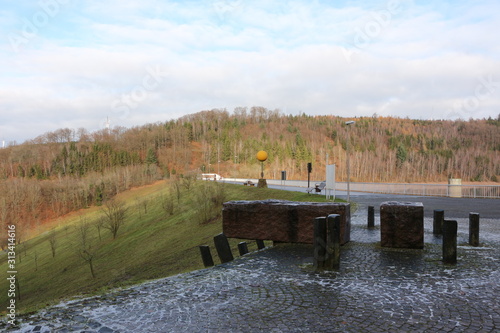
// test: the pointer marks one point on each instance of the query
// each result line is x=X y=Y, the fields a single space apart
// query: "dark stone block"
x=474 y=229
x=260 y=244
x=437 y=225
x=280 y=220
x=333 y=242
x=450 y=228
x=243 y=248
x=371 y=217
x=402 y=224
x=319 y=242
x=206 y=255
x=223 y=248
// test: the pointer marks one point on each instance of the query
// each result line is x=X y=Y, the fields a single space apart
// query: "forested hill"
x=67 y=169
x=382 y=148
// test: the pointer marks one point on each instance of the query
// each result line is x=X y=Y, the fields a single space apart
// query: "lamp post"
x=350 y=122
x=218 y=159
x=262 y=156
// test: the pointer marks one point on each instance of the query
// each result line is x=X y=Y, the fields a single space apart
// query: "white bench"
x=249 y=183
x=317 y=188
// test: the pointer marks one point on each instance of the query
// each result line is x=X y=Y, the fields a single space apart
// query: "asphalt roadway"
x=453 y=207
x=276 y=289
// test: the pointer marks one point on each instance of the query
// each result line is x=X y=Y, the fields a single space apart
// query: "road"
x=453 y=207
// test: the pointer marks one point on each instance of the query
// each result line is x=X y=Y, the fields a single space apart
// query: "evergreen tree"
x=151 y=157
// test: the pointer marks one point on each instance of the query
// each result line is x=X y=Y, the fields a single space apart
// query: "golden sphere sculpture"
x=262 y=156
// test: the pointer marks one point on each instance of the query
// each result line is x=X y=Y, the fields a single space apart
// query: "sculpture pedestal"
x=402 y=225
x=280 y=220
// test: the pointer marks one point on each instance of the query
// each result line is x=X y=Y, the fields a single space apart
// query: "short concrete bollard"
x=243 y=248
x=260 y=244
x=450 y=242
x=437 y=225
x=474 y=229
x=333 y=242
x=223 y=248
x=319 y=242
x=371 y=217
x=206 y=256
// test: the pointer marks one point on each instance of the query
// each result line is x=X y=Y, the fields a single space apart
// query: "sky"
x=75 y=64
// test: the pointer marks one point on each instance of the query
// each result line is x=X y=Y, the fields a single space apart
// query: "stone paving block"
x=280 y=220
x=402 y=224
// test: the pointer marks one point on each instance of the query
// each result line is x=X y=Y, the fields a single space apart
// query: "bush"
x=209 y=199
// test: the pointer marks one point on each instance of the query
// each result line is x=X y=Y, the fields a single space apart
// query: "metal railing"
x=439 y=190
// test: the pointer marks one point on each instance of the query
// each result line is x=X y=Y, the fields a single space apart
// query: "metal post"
x=347 y=161
x=474 y=229
x=371 y=216
x=450 y=242
x=326 y=168
x=437 y=226
x=348 y=169
x=309 y=169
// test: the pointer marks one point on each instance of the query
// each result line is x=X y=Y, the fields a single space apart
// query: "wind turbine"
x=107 y=124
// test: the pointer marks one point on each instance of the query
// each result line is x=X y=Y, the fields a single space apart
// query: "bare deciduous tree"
x=145 y=203
x=114 y=212
x=3 y=243
x=167 y=203
x=53 y=242
x=36 y=260
x=176 y=186
x=188 y=181
x=209 y=198
x=86 y=250
x=99 y=224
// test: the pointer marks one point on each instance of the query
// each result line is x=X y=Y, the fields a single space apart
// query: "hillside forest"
x=69 y=169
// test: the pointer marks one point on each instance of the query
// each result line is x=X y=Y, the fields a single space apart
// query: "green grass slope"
x=150 y=244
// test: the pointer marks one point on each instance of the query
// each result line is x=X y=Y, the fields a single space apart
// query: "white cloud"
x=420 y=62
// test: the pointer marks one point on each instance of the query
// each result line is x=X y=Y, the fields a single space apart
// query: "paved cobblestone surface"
x=275 y=290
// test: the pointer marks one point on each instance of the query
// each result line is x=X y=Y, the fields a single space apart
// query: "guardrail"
x=439 y=190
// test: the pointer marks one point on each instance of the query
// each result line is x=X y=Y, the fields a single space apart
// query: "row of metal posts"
x=448 y=229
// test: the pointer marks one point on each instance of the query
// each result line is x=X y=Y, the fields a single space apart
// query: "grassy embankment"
x=151 y=244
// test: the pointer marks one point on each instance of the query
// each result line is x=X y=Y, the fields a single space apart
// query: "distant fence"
x=438 y=190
